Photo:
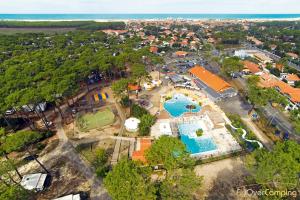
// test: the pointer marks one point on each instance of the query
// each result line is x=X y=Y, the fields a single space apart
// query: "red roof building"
x=210 y=79
x=143 y=144
x=251 y=67
x=154 y=49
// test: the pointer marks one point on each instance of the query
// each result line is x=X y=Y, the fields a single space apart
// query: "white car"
x=10 y=112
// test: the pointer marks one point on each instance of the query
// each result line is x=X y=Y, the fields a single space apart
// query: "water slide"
x=244 y=136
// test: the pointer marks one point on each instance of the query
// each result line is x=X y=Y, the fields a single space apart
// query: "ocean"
x=40 y=17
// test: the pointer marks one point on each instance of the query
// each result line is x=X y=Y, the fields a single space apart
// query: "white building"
x=34 y=182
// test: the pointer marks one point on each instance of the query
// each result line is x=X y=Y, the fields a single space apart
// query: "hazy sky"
x=150 y=6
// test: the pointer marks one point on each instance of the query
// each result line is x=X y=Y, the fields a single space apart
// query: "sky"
x=151 y=6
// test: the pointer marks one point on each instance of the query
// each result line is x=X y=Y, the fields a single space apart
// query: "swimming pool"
x=177 y=106
x=193 y=143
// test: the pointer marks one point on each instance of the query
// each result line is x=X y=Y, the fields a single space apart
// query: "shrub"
x=199 y=132
x=125 y=102
x=102 y=170
x=168 y=98
x=146 y=122
x=138 y=111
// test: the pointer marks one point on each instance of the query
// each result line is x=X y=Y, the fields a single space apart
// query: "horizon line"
x=150 y=13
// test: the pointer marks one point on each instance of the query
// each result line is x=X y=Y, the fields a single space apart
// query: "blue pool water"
x=177 y=105
x=198 y=144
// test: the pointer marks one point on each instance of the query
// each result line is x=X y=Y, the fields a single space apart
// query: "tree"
x=7 y=165
x=261 y=96
x=138 y=71
x=170 y=152
x=180 y=184
x=138 y=111
x=22 y=140
x=120 y=87
x=277 y=169
x=199 y=132
x=128 y=181
x=297 y=84
x=13 y=192
x=100 y=162
x=146 y=122
x=231 y=65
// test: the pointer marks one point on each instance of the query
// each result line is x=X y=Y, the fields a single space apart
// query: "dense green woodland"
x=86 y=25
x=39 y=67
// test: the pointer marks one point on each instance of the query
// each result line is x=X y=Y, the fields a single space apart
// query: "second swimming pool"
x=193 y=143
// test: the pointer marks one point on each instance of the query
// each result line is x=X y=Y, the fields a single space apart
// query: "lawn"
x=95 y=120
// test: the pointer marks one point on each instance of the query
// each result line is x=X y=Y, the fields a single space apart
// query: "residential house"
x=293 y=55
x=292 y=94
x=251 y=68
x=290 y=78
x=184 y=43
x=181 y=54
x=154 y=49
x=279 y=66
x=263 y=58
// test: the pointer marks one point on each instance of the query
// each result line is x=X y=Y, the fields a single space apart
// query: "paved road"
x=273 y=115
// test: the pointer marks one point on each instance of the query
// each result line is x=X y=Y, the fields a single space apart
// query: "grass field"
x=95 y=120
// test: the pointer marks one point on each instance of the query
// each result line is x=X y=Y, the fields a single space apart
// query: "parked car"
x=10 y=112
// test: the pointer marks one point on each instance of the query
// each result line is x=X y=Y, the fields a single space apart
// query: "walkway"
x=115 y=156
x=65 y=148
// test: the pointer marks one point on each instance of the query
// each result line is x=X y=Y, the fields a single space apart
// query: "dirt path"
x=97 y=190
x=219 y=175
x=65 y=149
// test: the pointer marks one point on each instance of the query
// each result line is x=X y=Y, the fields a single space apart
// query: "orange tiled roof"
x=279 y=66
x=181 y=53
x=252 y=67
x=153 y=49
x=168 y=32
x=133 y=87
x=283 y=87
x=185 y=42
x=292 y=77
x=139 y=155
x=293 y=55
x=210 y=79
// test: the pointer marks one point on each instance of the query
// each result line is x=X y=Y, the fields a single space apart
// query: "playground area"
x=95 y=120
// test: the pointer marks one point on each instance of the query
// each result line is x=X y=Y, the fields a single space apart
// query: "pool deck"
x=225 y=142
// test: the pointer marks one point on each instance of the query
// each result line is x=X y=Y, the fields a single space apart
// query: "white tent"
x=132 y=124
